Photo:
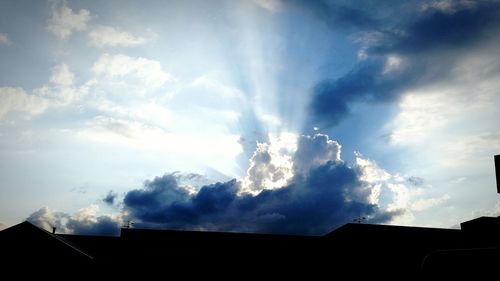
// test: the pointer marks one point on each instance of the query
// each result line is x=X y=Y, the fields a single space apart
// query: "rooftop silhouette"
x=380 y=250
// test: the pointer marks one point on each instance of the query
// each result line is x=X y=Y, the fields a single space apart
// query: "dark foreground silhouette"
x=354 y=250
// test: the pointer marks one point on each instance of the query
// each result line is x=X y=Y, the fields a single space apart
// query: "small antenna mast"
x=359 y=219
x=128 y=224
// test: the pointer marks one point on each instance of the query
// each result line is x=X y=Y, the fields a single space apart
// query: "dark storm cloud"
x=323 y=197
x=324 y=193
x=110 y=198
x=335 y=14
x=103 y=225
x=159 y=199
x=367 y=82
x=444 y=29
x=428 y=47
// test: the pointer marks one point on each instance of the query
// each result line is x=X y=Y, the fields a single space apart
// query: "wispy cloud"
x=271 y=5
x=60 y=92
x=17 y=100
x=4 y=39
x=102 y=36
x=423 y=204
x=116 y=66
x=62 y=76
x=64 y=21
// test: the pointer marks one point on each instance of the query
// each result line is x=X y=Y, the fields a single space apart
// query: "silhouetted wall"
x=497 y=171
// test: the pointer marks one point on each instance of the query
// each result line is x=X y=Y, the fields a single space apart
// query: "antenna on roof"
x=128 y=224
x=359 y=219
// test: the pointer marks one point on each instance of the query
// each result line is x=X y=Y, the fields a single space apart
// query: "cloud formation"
x=115 y=66
x=270 y=5
x=281 y=180
x=271 y=164
x=337 y=15
x=84 y=222
x=17 y=100
x=64 y=21
x=102 y=36
x=323 y=194
x=394 y=59
x=4 y=39
x=60 y=92
x=62 y=76
x=110 y=198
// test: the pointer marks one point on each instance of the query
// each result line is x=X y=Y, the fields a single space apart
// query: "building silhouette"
x=355 y=249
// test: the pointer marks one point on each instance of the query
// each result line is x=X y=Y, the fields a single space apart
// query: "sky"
x=272 y=116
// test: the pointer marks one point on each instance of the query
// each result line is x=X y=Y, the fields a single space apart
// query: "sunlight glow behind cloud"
x=271 y=166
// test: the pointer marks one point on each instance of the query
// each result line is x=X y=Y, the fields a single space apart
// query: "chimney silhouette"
x=497 y=170
x=53 y=230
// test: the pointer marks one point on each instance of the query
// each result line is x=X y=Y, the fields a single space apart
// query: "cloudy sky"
x=278 y=116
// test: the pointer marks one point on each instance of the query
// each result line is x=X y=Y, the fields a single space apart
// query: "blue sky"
x=263 y=116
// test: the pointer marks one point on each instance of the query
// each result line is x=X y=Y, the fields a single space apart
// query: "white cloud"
x=492 y=212
x=87 y=213
x=370 y=171
x=423 y=112
x=378 y=182
x=63 y=21
x=84 y=221
x=4 y=39
x=62 y=76
x=102 y=36
x=393 y=63
x=17 y=100
x=147 y=112
x=373 y=177
x=148 y=71
x=47 y=218
x=62 y=90
x=448 y=130
x=447 y=6
x=423 y=204
x=394 y=192
x=458 y=180
x=271 y=5
x=271 y=165
x=463 y=149
x=457 y=104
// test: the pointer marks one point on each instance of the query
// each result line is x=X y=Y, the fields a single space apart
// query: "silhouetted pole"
x=497 y=170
